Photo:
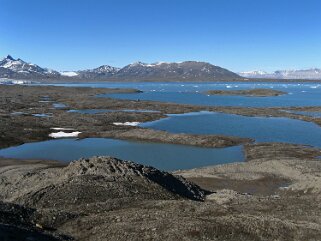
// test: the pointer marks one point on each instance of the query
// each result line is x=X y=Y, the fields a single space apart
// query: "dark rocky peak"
x=9 y=57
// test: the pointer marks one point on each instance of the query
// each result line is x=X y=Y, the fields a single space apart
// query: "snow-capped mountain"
x=106 y=69
x=14 y=69
x=188 y=70
x=160 y=71
x=102 y=72
x=253 y=74
x=19 y=69
x=285 y=74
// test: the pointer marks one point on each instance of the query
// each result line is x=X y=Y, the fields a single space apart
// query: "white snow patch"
x=61 y=129
x=62 y=134
x=48 y=71
x=69 y=73
x=126 y=123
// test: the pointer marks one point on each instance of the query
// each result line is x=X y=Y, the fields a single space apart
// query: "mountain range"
x=284 y=74
x=17 y=69
x=11 y=68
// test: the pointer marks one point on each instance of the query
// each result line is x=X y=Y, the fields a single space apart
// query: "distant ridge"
x=184 y=71
x=284 y=74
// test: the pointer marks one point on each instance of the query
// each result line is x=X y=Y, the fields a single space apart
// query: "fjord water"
x=299 y=94
x=163 y=156
x=261 y=129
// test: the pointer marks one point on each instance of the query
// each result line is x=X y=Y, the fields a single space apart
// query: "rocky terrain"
x=102 y=198
x=268 y=167
x=42 y=198
x=148 y=135
x=250 y=92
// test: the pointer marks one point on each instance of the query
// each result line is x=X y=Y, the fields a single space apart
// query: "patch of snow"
x=284 y=188
x=254 y=72
x=62 y=134
x=61 y=129
x=15 y=82
x=69 y=73
x=126 y=123
x=18 y=113
x=48 y=71
x=147 y=65
x=18 y=82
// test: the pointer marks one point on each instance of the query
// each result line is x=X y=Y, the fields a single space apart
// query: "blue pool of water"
x=261 y=129
x=43 y=115
x=163 y=156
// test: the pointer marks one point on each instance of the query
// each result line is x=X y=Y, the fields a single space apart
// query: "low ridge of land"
x=250 y=92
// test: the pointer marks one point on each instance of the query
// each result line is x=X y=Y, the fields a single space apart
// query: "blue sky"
x=235 y=34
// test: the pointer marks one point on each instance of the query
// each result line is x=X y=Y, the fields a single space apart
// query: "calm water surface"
x=261 y=129
x=299 y=94
x=163 y=156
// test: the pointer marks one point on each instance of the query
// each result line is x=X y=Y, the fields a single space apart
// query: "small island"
x=249 y=93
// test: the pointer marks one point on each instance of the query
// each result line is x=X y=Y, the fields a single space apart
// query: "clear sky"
x=235 y=34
